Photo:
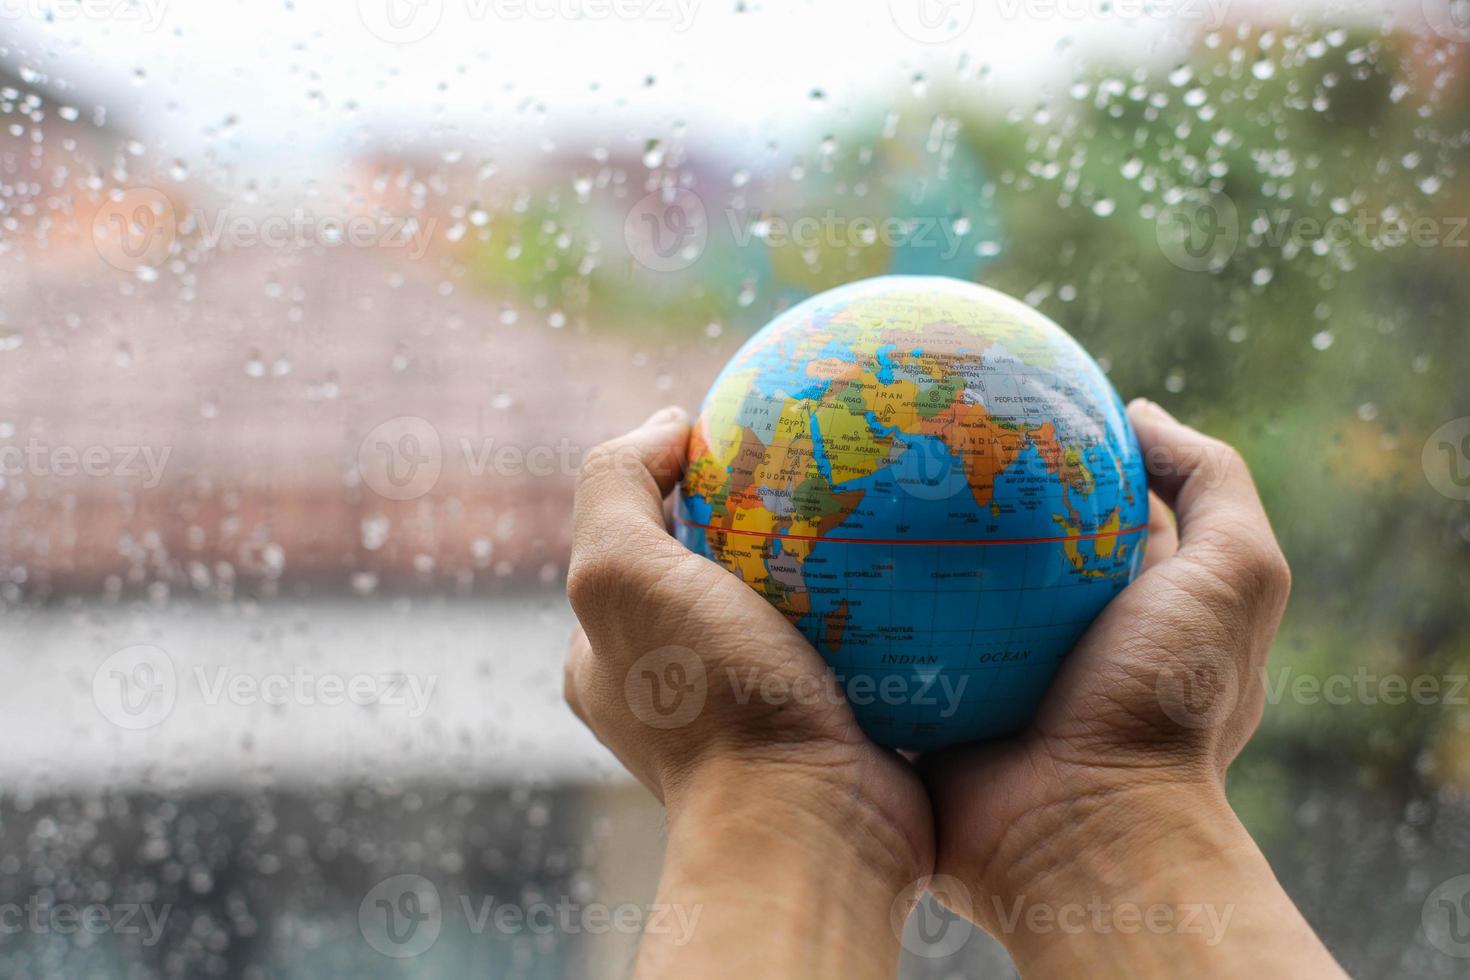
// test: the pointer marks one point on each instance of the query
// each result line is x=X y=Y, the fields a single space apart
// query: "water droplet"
x=1322 y=339
x=375 y=531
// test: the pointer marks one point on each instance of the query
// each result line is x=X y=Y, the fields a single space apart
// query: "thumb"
x=1220 y=517
x=623 y=481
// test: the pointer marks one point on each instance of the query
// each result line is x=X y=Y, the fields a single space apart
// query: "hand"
x=783 y=818
x=1116 y=794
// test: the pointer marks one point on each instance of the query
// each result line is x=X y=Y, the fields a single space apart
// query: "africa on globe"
x=935 y=483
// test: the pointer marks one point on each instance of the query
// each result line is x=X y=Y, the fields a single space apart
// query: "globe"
x=935 y=484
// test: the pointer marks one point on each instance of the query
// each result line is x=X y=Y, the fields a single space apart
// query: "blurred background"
x=309 y=311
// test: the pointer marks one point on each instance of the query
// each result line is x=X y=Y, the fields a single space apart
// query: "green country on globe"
x=935 y=483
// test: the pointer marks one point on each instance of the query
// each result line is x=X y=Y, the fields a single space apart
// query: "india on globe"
x=935 y=483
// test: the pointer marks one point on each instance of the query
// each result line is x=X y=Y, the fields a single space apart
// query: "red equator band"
x=943 y=542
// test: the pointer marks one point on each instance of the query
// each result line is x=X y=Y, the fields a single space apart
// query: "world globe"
x=935 y=484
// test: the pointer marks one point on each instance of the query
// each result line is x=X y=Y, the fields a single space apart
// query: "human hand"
x=779 y=809
x=1115 y=796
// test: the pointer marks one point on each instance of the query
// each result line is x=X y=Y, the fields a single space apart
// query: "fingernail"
x=668 y=413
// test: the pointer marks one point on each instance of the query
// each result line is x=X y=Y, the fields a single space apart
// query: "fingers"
x=628 y=477
x=618 y=517
x=1163 y=536
x=574 y=682
x=578 y=651
x=1221 y=523
x=1202 y=478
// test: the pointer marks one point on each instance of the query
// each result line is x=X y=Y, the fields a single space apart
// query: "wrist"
x=1113 y=837
x=809 y=814
x=751 y=849
x=1149 y=881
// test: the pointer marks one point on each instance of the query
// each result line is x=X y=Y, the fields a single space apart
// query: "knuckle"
x=1222 y=460
x=1224 y=451
x=631 y=573
x=611 y=458
x=592 y=578
x=1255 y=570
x=1269 y=572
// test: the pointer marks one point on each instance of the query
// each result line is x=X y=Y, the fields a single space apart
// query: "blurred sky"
x=237 y=88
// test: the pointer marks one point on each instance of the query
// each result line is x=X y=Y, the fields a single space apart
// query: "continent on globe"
x=935 y=483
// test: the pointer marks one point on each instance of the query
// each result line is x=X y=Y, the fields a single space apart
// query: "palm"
x=764 y=688
x=777 y=684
